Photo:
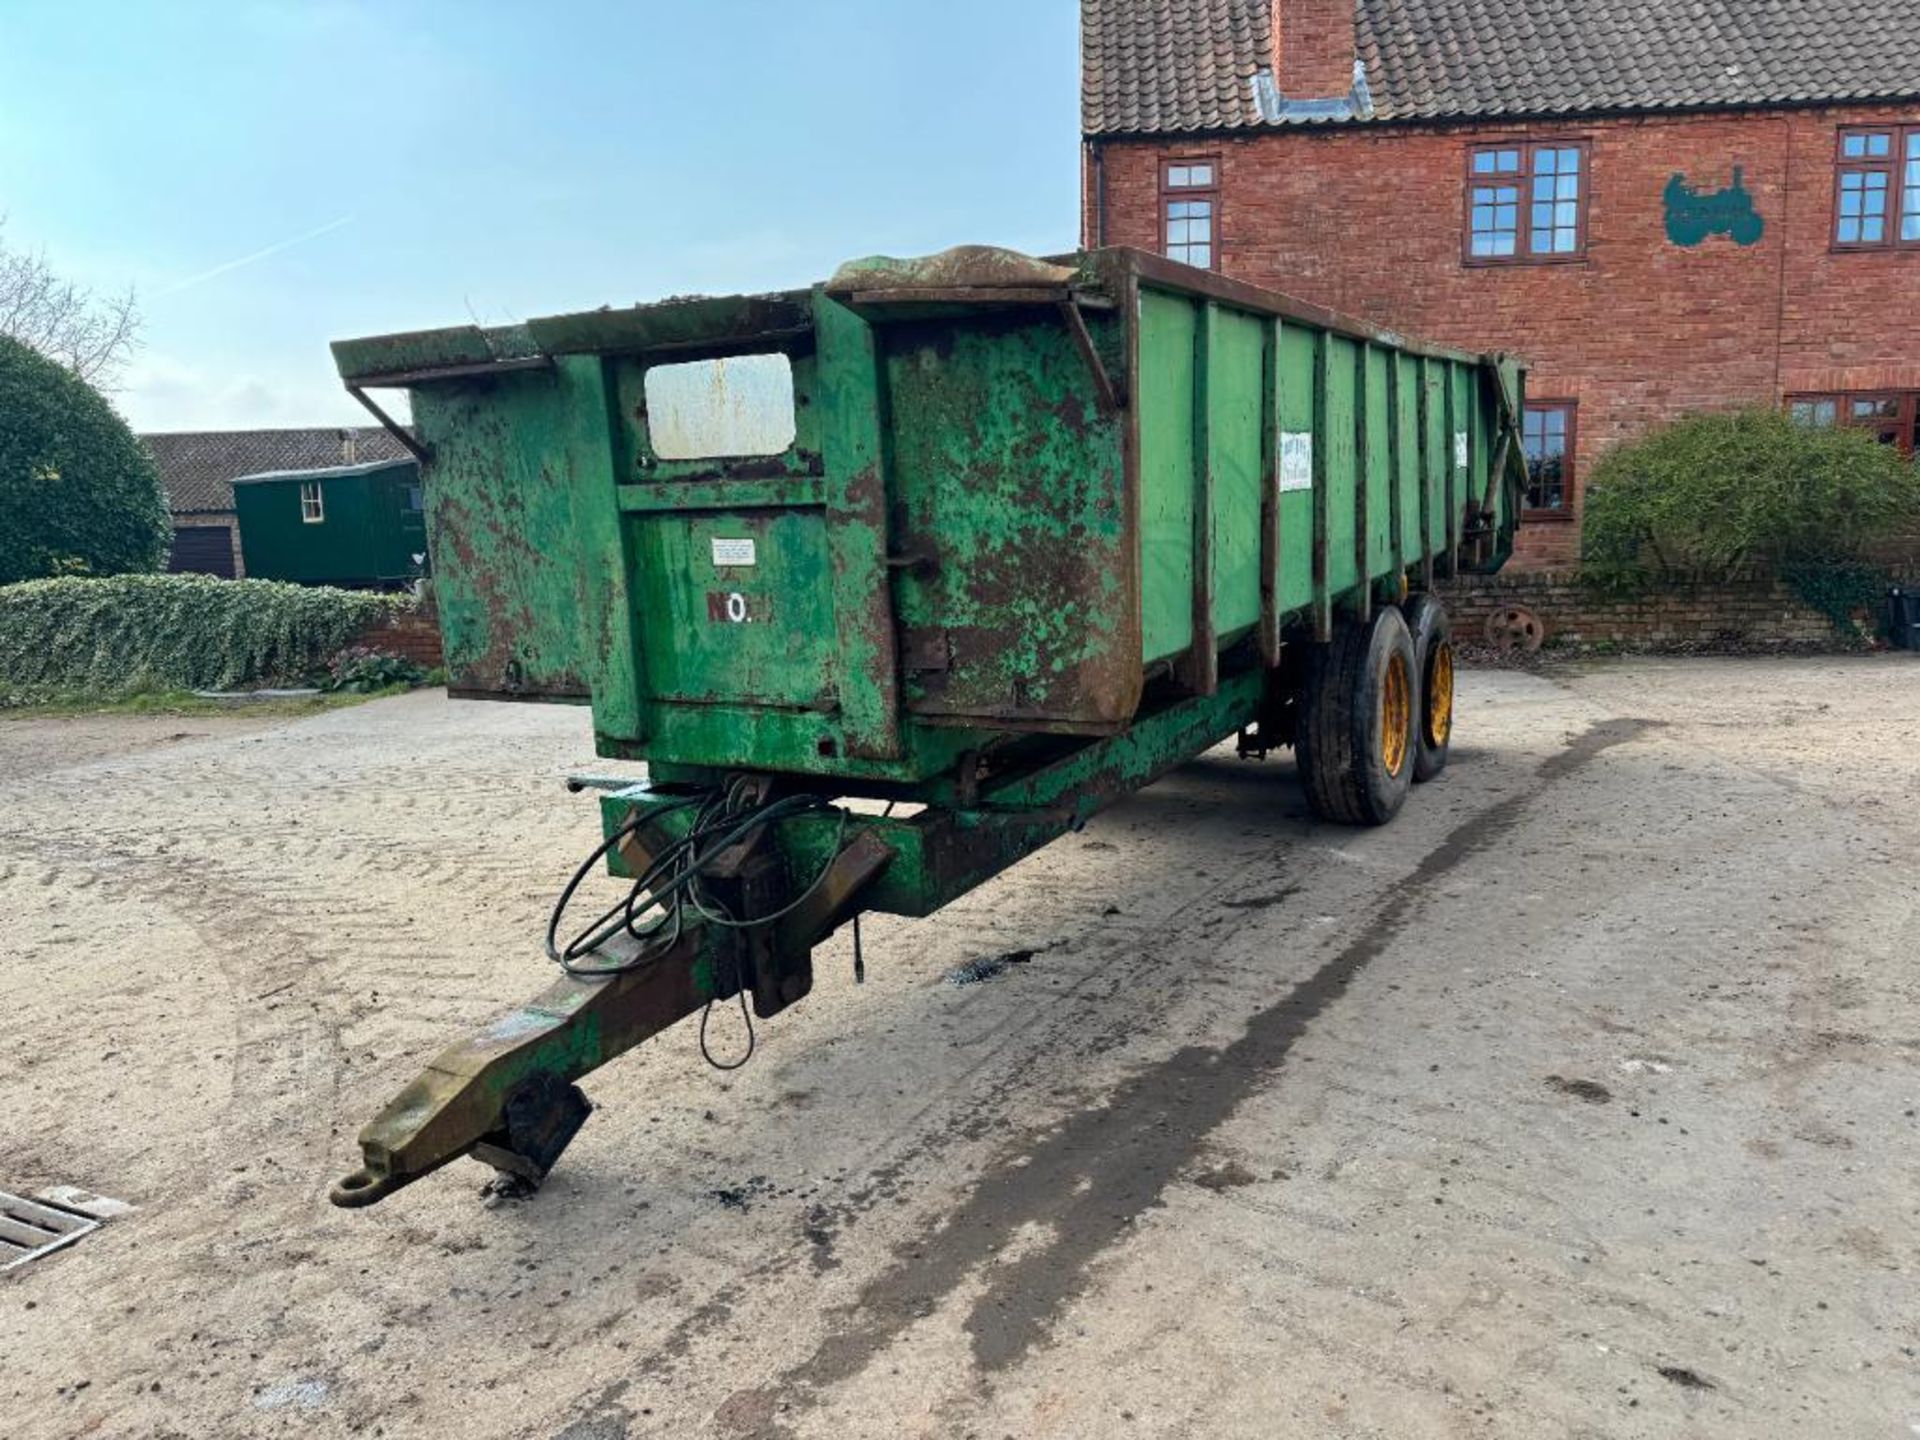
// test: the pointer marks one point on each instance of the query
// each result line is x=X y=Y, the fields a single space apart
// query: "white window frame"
x=313 y=504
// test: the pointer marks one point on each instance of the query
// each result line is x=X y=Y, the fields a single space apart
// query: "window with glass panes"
x=1546 y=433
x=1893 y=416
x=1876 y=197
x=1526 y=201
x=1816 y=412
x=1190 y=204
x=313 y=509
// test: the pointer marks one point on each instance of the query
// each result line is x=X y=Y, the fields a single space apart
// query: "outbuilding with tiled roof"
x=198 y=468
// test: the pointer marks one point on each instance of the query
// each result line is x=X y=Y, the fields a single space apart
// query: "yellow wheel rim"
x=1396 y=710
x=1440 y=694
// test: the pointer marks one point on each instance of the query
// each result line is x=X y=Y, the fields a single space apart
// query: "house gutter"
x=1298 y=121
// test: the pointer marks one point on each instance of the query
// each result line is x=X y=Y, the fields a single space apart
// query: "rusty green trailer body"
x=1003 y=537
x=1017 y=498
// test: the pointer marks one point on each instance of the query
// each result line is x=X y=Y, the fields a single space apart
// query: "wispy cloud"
x=165 y=391
x=274 y=249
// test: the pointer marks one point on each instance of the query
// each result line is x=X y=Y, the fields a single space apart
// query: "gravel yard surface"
x=1581 y=1101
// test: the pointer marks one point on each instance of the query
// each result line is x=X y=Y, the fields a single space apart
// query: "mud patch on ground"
x=1230 y=1176
x=1262 y=902
x=743 y=1196
x=1591 y=1091
x=1685 y=1378
x=991 y=967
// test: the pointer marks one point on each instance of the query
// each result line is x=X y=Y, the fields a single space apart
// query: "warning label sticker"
x=733 y=552
x=1296 y=460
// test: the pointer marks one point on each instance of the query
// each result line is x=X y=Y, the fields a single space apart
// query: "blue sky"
x=270 y=177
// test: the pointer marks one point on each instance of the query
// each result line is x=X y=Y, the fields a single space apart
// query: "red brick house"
x=1666 y=205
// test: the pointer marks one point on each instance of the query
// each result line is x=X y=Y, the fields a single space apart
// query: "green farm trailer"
x=994 y=539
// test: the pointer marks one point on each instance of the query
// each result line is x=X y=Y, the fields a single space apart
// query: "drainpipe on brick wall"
x=1099 y=161
x=1786 y=240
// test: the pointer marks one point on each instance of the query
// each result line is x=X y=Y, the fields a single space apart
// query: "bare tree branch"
x=91 y=335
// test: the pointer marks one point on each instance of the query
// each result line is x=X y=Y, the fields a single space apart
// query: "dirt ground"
x=1581 y=1101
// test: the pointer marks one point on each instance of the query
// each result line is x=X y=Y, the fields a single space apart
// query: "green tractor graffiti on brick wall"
x=1693 y=215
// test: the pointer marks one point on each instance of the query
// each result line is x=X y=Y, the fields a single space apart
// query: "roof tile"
x=1181 y=65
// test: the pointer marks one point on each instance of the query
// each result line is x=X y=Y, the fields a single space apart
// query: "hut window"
x=313 y=509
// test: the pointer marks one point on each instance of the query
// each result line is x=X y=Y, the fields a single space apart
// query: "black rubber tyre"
x=1433 y=662
x=1355 y=741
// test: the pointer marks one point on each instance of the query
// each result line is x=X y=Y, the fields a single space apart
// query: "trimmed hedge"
x=124 y=634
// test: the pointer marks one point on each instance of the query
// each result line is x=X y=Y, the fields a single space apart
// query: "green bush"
x=1731 y=492
x=130 y=633
x=361 y=670
x=78 y=494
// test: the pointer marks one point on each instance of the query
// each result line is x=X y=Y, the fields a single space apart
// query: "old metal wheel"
x=1440 y=693
x=1357 y=725
x=1515 y=628
x=1396 y=707
x=1433 y=662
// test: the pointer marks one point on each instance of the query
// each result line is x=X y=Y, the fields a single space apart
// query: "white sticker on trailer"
x=733 y=552
x=1459 y=449
x=1296 y=460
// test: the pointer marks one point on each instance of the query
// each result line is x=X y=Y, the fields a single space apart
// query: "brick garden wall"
x=414 y=634
x=1370 y=220
x=1678 y=613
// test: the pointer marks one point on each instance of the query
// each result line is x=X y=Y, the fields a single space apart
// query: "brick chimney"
x=1313 y=50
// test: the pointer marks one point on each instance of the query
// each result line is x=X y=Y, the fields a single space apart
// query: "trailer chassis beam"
x=507 y=1095
x=950 y=848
